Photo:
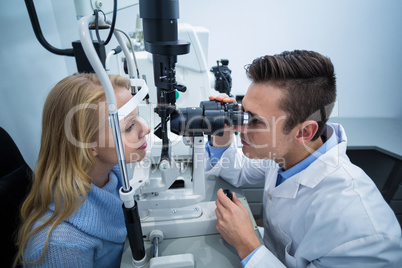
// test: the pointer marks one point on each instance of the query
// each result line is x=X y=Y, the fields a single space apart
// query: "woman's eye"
x=130 y=127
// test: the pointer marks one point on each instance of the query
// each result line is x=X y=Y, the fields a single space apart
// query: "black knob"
x=180 y=88
x=228 y=193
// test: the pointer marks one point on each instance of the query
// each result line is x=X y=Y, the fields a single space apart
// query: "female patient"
x=73 y=215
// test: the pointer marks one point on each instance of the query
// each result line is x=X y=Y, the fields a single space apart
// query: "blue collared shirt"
x=330 y=143
x=214 y=153
x=246 y=259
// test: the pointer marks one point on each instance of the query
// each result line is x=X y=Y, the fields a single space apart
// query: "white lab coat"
x=329 y=215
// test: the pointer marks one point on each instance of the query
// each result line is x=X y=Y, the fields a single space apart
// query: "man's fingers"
x=238 y=202
x=223 y=199
x=219 y=97
x=218 y=214
x=229 y=100
x=222 y=98
x=218 y=204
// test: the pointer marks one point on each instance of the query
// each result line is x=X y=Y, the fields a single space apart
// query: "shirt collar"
x=328 y=144
x=318 y=169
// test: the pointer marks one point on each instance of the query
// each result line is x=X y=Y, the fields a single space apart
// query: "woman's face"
x=133 y=133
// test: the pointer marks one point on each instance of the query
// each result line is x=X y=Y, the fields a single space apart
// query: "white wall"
x=362 y=37
x=27 y=73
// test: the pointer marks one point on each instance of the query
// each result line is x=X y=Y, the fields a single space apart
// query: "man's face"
x=264 y=137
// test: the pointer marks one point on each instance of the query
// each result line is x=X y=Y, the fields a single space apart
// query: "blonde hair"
x=61 y=171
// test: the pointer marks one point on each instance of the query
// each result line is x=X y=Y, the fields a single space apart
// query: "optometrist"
x=319 y=210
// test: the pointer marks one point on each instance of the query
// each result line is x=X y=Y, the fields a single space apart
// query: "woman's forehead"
x=131 y=116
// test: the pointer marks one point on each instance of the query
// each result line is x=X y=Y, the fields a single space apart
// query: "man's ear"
x=306 y=131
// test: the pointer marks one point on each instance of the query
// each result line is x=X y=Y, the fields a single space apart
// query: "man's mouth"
x=244 y=143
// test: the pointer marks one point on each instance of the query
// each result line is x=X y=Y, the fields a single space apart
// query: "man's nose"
x=242 y=129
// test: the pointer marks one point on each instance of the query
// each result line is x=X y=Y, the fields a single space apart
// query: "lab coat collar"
x=316 y=171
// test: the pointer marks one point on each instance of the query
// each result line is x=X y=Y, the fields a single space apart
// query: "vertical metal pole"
x=114 y=124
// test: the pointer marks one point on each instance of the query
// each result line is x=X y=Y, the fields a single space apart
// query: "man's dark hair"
x=308 y=81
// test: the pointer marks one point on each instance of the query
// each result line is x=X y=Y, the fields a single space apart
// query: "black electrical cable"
x=132 y=49
x=38 y=32
x=96 y=11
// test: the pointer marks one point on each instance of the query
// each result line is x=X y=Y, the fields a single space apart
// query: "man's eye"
x=255 y=121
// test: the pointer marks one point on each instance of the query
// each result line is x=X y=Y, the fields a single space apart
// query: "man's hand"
x=226 y=139
x=234 y=224
x=222 y=98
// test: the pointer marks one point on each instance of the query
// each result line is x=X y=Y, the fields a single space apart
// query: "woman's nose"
x=144 y=129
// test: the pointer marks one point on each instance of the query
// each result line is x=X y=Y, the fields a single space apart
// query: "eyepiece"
x=208 y=119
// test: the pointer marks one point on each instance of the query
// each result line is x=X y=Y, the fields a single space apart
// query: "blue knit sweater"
x=93 y=237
